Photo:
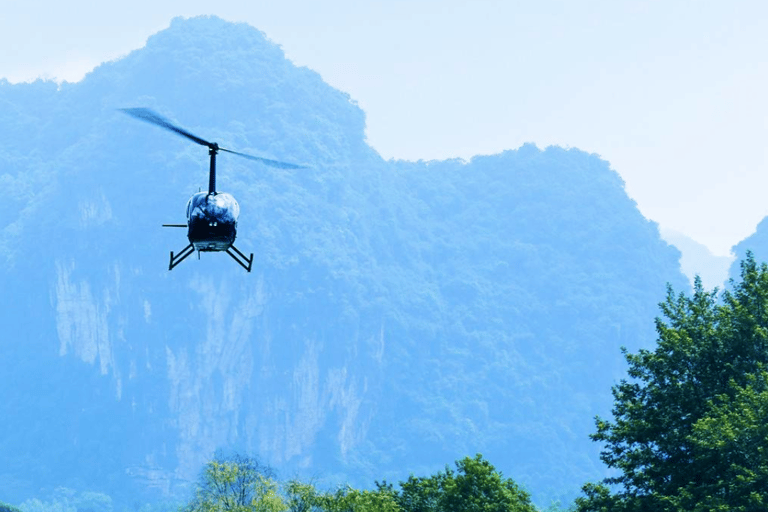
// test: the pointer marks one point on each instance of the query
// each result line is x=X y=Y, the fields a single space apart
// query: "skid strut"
x=185 y=252
x=239 y=257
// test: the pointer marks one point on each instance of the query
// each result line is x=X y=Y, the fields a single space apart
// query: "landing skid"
x=241 y=258
x=185 y=252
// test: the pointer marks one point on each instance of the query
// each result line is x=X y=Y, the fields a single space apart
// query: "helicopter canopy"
x=220 y=207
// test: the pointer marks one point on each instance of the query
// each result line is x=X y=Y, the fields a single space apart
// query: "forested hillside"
x=756 y=243
x=400 y=314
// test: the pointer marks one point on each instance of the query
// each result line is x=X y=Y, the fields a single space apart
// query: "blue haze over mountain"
x=697 y=260
x=757 y=243
x=400 y=314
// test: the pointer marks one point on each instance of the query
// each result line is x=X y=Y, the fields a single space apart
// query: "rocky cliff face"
x=400 y=315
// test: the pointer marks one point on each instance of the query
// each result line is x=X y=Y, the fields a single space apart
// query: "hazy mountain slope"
x=696 y=259
x=400 y=315
x=757 y=242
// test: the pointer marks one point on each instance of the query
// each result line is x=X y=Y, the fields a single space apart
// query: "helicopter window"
x=195 y=201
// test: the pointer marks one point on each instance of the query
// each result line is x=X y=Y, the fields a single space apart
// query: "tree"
x=236 y=484
x=475 y=486
x=4 y=507
x=304 y=497
x=478 y=487
x=688 y=428
x=300 y=496
x=420 y=494
x=731 y=441
x=353 y=500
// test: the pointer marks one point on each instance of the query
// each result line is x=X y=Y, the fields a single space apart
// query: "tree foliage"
x=4 y=507
x=236 y=484
x=731 y=442
x=689 y=427
x=303 y=497
x=475 y=486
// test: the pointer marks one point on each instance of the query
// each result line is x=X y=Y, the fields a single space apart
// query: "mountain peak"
x=211 y=74
x=213 y=33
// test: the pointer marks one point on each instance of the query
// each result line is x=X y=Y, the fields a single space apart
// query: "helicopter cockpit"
x=212 y=221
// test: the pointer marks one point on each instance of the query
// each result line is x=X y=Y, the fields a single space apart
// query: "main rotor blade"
x=153 y=117
x=150 y=116
x=266 y=161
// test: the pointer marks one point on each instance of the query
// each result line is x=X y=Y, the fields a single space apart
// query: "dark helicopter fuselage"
x=212 y=221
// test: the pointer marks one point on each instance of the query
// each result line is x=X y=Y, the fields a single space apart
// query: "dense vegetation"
x=4 y=507
x=690 y=428
x=241 y=484
x=400 y=315
x=238 y=483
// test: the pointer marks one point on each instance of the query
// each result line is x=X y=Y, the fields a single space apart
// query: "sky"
x=672 y=93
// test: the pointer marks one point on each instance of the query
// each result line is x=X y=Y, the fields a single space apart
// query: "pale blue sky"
x=673 y=93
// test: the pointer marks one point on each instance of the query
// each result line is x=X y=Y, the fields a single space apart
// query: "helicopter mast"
x=213 y=148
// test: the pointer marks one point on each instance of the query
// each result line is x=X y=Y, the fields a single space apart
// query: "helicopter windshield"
x=221 y=206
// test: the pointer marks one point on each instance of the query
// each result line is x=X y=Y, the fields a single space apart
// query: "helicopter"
x=211 y=216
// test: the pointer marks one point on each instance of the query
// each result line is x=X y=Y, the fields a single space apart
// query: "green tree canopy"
x=303 y=497
x=236 y=484
x=475 y=486
x=689 y=427
x=731 y=441
x=4 y=507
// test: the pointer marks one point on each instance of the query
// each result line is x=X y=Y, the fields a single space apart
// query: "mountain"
x=400 y=315
x=757 y=243
x=697 y=259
